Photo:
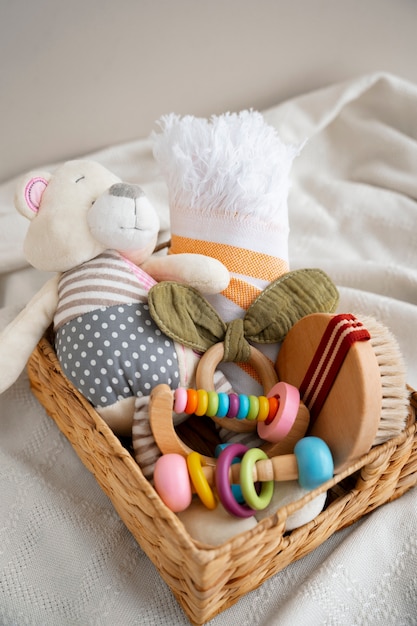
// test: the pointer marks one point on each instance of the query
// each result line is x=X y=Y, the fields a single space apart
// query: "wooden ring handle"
x=205 y=380
x=213 y=356
x=162 y=424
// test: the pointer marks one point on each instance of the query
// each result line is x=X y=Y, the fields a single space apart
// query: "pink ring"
x=280 y=426
x=180 y=400
x=223 y=486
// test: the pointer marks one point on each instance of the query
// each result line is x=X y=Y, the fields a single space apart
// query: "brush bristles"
x=233 y=163
x=395 y=396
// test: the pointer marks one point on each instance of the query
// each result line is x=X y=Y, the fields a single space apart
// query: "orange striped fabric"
x=240 y=292
x=237 y=260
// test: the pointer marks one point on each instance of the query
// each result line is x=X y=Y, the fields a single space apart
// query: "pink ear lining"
x=33 y=192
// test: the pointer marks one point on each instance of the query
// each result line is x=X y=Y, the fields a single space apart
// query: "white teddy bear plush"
x=98 y=234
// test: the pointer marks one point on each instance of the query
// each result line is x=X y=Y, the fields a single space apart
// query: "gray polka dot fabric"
x=116 y=352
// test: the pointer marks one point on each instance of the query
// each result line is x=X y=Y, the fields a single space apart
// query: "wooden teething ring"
x=205 y=380
x=161 y=405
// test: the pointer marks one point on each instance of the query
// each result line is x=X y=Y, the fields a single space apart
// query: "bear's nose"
x=126 y=190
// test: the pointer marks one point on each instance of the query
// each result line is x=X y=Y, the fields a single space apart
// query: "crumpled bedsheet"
x=66 y=557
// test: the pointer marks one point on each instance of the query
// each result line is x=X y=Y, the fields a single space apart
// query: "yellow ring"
x=202 y=404
x=203 y=489
x=263 y=408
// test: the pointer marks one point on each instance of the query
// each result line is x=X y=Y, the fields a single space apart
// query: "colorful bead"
x=192 y=401
x=236 y=490
x=180 y=400
x=213 y=403
x=315 y=462
x=233 y=405
x=263 y=408
x=202 y=403
x=243 y=407
x=253 y=408
x=223 y=405
x=172 y=482
x=289 y=402
x=273 y=408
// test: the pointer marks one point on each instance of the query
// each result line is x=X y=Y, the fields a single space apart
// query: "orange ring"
x=192 y=401
x=273 y=408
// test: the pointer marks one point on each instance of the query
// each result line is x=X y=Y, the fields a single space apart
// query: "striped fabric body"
x=111 y=286
x=105 y=339
x=107 y=280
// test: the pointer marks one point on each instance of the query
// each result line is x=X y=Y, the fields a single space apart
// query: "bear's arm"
x=206 y=274
x=19 y=338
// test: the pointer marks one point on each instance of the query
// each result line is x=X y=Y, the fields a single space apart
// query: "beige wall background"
x=80 y=75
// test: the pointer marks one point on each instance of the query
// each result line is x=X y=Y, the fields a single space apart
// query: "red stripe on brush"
x=322 y=353
x=340 y=334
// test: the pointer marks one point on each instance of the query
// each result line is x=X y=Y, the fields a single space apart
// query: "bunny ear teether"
x=184 y=314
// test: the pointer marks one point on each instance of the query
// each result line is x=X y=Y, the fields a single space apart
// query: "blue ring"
x=243 y=407
x=223 y=405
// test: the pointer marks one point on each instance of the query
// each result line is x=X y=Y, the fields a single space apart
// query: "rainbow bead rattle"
x=201 y=402
x=176 y=476
x=275 y=413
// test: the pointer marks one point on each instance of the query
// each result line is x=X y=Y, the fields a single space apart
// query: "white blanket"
x=65 y=556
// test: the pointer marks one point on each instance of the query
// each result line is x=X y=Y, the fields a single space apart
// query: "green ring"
x=213 y=403
x=261 y=501
x=253 y=408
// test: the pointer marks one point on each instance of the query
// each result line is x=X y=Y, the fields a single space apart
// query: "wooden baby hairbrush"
x=352 y=378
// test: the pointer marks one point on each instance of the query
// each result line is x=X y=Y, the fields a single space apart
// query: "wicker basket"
x=206 y=580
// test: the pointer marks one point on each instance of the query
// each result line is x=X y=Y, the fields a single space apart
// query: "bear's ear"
x=29 y=193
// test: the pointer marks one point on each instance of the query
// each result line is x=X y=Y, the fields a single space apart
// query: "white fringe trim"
x=234 y=163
